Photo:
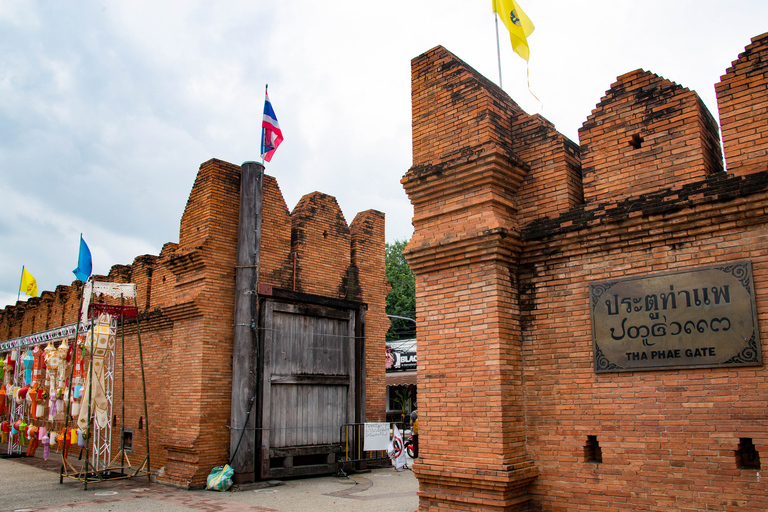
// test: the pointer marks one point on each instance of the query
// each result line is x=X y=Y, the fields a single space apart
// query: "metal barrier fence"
x=353 y=456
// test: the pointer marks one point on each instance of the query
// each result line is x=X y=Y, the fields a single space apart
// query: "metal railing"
x=353 y=455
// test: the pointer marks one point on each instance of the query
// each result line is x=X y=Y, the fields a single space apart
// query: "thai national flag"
x=271 y=136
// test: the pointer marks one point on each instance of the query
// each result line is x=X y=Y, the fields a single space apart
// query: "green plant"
x=402 y=400
x=401 y=299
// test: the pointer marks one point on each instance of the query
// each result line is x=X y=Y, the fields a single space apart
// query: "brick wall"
x=185 y=298
x=321 y=240
x=276 y=264
x=668 y=438
x=645 y=134
x=506 y=376
x=367 y=262
x=444 y=135
x=742 y=99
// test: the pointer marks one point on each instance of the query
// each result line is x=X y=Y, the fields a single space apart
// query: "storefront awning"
x=401 y=378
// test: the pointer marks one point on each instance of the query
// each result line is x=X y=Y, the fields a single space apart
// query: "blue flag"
x=84 y=264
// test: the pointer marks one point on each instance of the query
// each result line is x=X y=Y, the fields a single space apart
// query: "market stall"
x=58 y=389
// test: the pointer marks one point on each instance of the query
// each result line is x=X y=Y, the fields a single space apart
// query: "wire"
x=247 y=415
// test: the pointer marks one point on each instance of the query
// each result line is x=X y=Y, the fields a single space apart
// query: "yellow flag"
x=28 y=283
x=518 y=24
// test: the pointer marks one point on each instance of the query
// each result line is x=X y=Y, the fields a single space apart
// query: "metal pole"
x=144 y=389
x=87 y=433
x=122 y=386
x=498 y=46
x=70 y=391
x=266 y=93
x=21 y=280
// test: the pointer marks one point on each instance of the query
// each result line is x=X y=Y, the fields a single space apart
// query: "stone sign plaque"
x=697 y=318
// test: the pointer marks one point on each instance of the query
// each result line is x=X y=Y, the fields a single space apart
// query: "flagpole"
x=18 y=294
x=498 y=46
x=266 y=92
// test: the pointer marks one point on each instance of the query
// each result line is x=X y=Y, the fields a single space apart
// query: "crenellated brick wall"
x=646 y=134
x=513 y=222
x=321 y=240
x=185 y=298
x=367 y=260
x=742 y=100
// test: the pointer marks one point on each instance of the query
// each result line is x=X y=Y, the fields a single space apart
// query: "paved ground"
x=30 y=484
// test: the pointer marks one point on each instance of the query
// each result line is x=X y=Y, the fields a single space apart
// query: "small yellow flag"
x=518 y=24
x=28 y=283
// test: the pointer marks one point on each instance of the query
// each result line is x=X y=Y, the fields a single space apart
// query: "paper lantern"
x=46 y=447
x=32 y=440
x=28 y=361
x=32 y=398
x=23 y=432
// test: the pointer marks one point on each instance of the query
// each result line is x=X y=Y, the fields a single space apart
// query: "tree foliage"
x=401 y=300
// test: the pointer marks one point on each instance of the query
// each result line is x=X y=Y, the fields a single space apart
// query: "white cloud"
x=107 y=110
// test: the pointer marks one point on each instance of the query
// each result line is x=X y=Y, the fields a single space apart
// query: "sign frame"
x=702 y=317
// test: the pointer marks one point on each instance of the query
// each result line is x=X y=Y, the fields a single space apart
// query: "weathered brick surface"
x=742 y=99
x=321 y=241
x=185 y=298
x=507 y=390
x=444 y=135
x=276 y=264
x=367 y=262
x=668 y=438
x=647 y=133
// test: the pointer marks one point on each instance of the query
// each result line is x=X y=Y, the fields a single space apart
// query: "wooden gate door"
x=308 y=387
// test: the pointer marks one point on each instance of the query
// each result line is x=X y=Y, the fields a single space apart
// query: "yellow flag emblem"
x=28 y=283
x=518 y=24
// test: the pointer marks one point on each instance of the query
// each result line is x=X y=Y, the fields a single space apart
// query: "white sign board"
x=376 y=436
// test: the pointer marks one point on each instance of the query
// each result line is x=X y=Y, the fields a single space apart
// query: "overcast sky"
x=108 y=108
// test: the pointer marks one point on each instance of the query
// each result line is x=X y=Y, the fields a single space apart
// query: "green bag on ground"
x=220 y=478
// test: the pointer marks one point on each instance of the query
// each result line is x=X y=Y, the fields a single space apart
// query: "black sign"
x=400 y=361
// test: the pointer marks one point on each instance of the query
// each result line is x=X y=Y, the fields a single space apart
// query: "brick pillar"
x=464 y=254
x=367 y=255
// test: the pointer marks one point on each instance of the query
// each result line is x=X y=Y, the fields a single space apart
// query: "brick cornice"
x=505 y=488
x=469 y=163
x=465 y=210
x=187 y=262
x=498 y=244
x=726 y=195
x=480 y=477
x=184 y=310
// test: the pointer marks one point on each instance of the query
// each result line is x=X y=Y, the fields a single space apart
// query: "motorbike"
x=409 y=449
